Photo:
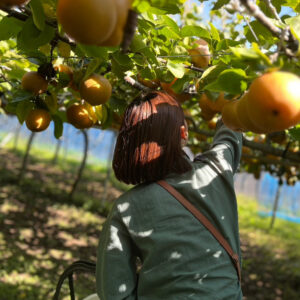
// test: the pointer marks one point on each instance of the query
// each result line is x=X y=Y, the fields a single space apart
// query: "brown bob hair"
x=148 y=146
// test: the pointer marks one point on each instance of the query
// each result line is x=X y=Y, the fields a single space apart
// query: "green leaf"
x=171 y=24
x=163 y=7
x=169 y=33
x=263 y=56
x=137 y=43
x=180 y=84
x=92 y=67
x=10 y=27
x=294 y=23
x=38 y=14
x=94 y=51
x=214 y=32
x=138 y=59
x=224 y=44
x=293 y=4
x=30 y=38
x=266 y=10
x=196 y=31
x=220 y=3
x=232 y=81
x=149 y=55
x=143 y=6
x=122 y=59
x=16 y=69
x=120 y=65
x=117 y=105
x=58 y=126
x=106 y=117
x=261 y=32
x=147 y=73
x=11 y=107
x=21 y=95
x=210 y=74
x=244 y=53
x=295 y=132
x=145 y=26
x=176 y=69
x=51 y=102
x=23 y=109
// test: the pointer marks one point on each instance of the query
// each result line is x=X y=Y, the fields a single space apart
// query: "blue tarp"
x=71 y=139
x=289 y=199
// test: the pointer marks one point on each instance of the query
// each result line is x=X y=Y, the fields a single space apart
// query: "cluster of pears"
x=271 y=104
x=37 y=119
x=210 y=108
x=99 y=23
x=94 y=91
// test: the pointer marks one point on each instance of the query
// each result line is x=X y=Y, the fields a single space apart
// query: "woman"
x=180 y=259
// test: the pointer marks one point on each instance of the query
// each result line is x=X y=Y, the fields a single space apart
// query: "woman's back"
x=180 y=258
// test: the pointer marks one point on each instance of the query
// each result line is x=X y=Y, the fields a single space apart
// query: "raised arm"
x=226 y=149
x=228 y=145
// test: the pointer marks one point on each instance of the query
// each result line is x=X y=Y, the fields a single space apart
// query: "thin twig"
x=194 y=69
x=273 y=10
x=136 y=84
x=251 y=29
x=257 y=13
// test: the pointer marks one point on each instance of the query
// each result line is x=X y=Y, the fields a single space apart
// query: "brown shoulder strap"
x=209 y=226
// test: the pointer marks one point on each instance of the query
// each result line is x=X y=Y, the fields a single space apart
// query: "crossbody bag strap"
x=209 y=226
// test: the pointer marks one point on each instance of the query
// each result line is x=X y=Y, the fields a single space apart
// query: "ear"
x=183 y=132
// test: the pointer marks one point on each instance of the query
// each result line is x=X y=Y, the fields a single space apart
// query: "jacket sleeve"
x=116 y=277
x=226 y=149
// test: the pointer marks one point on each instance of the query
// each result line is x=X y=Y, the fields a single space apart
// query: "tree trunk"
x=66 y=144
x=257 y=190
x=243 y=182
x=83 y=163
x=275 y=206
x=26 y=156
x=55 y=157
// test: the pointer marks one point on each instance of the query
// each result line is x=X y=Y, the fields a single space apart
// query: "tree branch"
x=136 y=84
x=261 y=17
x=129 y=30
x=273 y=10
x=270 y=161
x=256 y=12
x=294 y=157
x=271 y=150
x=193 y=68
x=23 y=17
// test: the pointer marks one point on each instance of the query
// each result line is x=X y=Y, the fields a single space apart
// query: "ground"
x=43 y=232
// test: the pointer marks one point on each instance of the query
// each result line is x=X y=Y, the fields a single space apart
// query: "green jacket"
x=180 y=258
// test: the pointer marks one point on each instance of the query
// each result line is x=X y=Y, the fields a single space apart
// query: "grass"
x=284 y=233
x=271 y=257
x=42 y=232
